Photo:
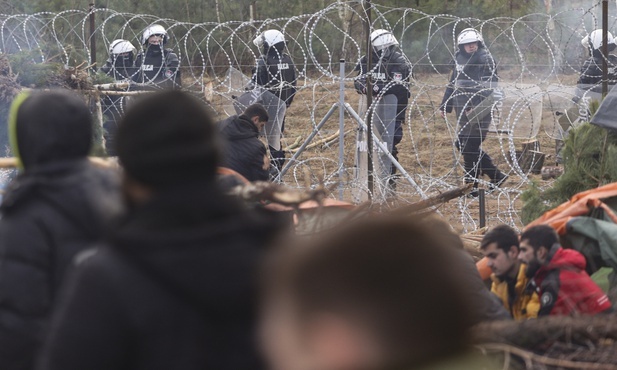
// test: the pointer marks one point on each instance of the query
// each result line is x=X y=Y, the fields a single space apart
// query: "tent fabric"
x=602 y=233
x=607 y=112
x=579 y=205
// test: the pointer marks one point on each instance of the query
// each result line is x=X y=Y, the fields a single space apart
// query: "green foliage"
x=588 y=154
x=534 y=203
x=31 y=72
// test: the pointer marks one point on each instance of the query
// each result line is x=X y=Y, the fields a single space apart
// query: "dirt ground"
x=426 y=152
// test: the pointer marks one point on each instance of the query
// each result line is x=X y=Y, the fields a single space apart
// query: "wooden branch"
x=11 y=162
x=125 y=93
x=295 y=144
x=549 y=361
x=261 y=190
x=112 y=86
x=550 y=329
x=433 y=201
x=331 y=138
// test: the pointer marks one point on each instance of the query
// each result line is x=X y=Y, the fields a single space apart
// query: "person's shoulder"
x=399 y=57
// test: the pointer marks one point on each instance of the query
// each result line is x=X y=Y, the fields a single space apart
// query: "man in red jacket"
x=559 y=275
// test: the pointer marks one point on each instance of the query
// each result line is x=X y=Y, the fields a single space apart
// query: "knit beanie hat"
x=168 y=139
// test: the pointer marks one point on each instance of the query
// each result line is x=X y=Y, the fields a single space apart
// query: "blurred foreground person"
x=510 y=282
x=364 y=297
x=174 y=288
x=244 y=152
x=485 y=306
x=56 y=207
x=559 y=275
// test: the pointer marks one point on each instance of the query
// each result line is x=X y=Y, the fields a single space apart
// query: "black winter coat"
x=243 y=151
x=471 y=79
x=49 y=214
x=159 y=67
x=391 y=72
x=174 y=289
x=277 y=73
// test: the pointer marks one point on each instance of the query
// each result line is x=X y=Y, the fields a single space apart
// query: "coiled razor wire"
x=539 y=57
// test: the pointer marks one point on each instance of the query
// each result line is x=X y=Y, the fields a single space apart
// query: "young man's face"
x=260 y=124
x=470 y=48
x=501 y=263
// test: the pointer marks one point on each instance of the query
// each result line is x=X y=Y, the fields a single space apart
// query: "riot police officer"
x=157 y=65
x=470 y=93
x=591 y=72
x=121 y=66
x=276 y=72
x=390 y=74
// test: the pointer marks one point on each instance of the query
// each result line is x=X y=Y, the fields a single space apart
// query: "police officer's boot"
x=497 y=180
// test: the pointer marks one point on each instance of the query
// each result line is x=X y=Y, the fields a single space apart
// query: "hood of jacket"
x=46 y=128
x=238 y=128
x=201 y=244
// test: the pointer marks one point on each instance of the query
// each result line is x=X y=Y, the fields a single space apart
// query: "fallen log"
x=536 y=333
x=529 y=358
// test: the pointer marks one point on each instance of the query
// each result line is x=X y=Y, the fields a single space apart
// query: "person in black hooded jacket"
x=56 y=207
x=174 y=288
x=243 y=151
x=470 y=92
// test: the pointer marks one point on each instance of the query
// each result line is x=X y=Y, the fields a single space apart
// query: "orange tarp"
x=579 y=205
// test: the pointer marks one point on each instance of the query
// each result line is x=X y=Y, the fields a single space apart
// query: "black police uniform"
x=158 y=67
x=591 y=72
x=277 y=73
x=469 y=85
x=391 y=71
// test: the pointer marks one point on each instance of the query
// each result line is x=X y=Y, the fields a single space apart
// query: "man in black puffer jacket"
x=175 y=286
x=244 y=152
x=54 y=209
